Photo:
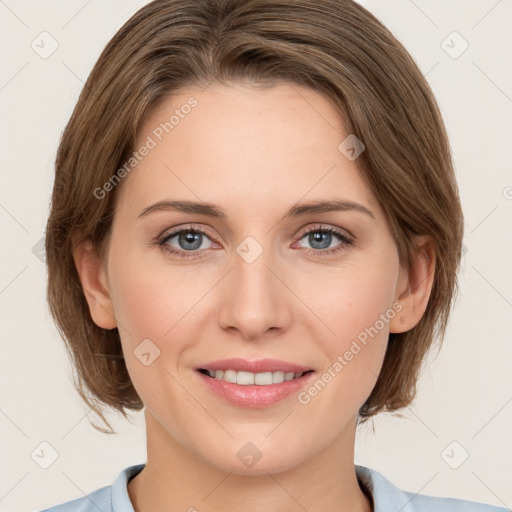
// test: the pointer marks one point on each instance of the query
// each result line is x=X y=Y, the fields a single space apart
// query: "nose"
x=254 y=301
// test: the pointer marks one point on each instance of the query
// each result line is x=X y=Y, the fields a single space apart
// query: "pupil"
x=318 y=237
x=190 y=238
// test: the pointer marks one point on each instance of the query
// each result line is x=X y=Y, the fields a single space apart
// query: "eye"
x=321 y=237
x=185 y=242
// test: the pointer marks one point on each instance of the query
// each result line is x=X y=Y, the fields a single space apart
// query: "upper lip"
x=259 y=366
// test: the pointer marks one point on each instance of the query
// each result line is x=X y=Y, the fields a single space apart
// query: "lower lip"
x=255 y=396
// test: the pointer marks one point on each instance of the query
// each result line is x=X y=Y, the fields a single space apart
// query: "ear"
x=414 y=287
x=93 y=277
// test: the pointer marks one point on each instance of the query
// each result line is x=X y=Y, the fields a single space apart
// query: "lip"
x=254 y=396
x=259 y=366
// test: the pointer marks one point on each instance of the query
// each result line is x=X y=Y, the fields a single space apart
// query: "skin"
x=253 y=153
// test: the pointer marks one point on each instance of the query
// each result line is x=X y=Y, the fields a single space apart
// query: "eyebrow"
x=296 y=210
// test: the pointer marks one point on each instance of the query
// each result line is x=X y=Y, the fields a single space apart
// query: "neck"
x=175 y=478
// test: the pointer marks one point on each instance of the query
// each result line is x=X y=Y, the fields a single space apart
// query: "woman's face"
x=264 y=280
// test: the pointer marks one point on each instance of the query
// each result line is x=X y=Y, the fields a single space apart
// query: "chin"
x=260 y=468
x=248 y=459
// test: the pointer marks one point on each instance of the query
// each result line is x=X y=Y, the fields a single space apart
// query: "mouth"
x=244 y=378
x=254 y=384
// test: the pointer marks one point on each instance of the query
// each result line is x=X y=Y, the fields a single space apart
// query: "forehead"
x=254 y=147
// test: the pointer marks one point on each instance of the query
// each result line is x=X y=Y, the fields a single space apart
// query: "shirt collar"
x=120 y=498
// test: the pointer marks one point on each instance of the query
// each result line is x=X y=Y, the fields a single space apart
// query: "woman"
x=255 y=234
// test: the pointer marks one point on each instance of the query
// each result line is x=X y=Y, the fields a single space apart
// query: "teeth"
x=249 y=378
x=244 y=378
x=227 y=375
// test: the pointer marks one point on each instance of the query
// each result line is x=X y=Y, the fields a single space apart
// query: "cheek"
x=155 y=302
x=142 y=305
x=148 y=305
x=353 y=298
x=150 y=298
x=357 y=306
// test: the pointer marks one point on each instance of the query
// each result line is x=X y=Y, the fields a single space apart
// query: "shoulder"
x=388 y=498
x=111 y=498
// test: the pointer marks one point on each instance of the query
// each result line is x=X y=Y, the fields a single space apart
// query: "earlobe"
x=92 y=275
x=414 y=287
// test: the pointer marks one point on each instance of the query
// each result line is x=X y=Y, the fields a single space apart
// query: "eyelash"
x=163 y=239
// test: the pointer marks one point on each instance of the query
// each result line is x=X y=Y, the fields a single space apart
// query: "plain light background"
x=454 y=441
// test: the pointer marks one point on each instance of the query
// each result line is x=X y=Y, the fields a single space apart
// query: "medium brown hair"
x=335 y=47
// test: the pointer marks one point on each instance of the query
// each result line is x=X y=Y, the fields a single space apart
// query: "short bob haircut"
x=335 y=47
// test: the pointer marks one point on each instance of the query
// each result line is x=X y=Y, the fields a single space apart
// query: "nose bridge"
x=252 y=269
x=254 y=298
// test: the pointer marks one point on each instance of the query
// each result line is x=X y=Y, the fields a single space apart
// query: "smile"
x=254 y=384
x=244 y=378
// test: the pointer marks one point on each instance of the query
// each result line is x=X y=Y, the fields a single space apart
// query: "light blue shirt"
x=386 y=497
